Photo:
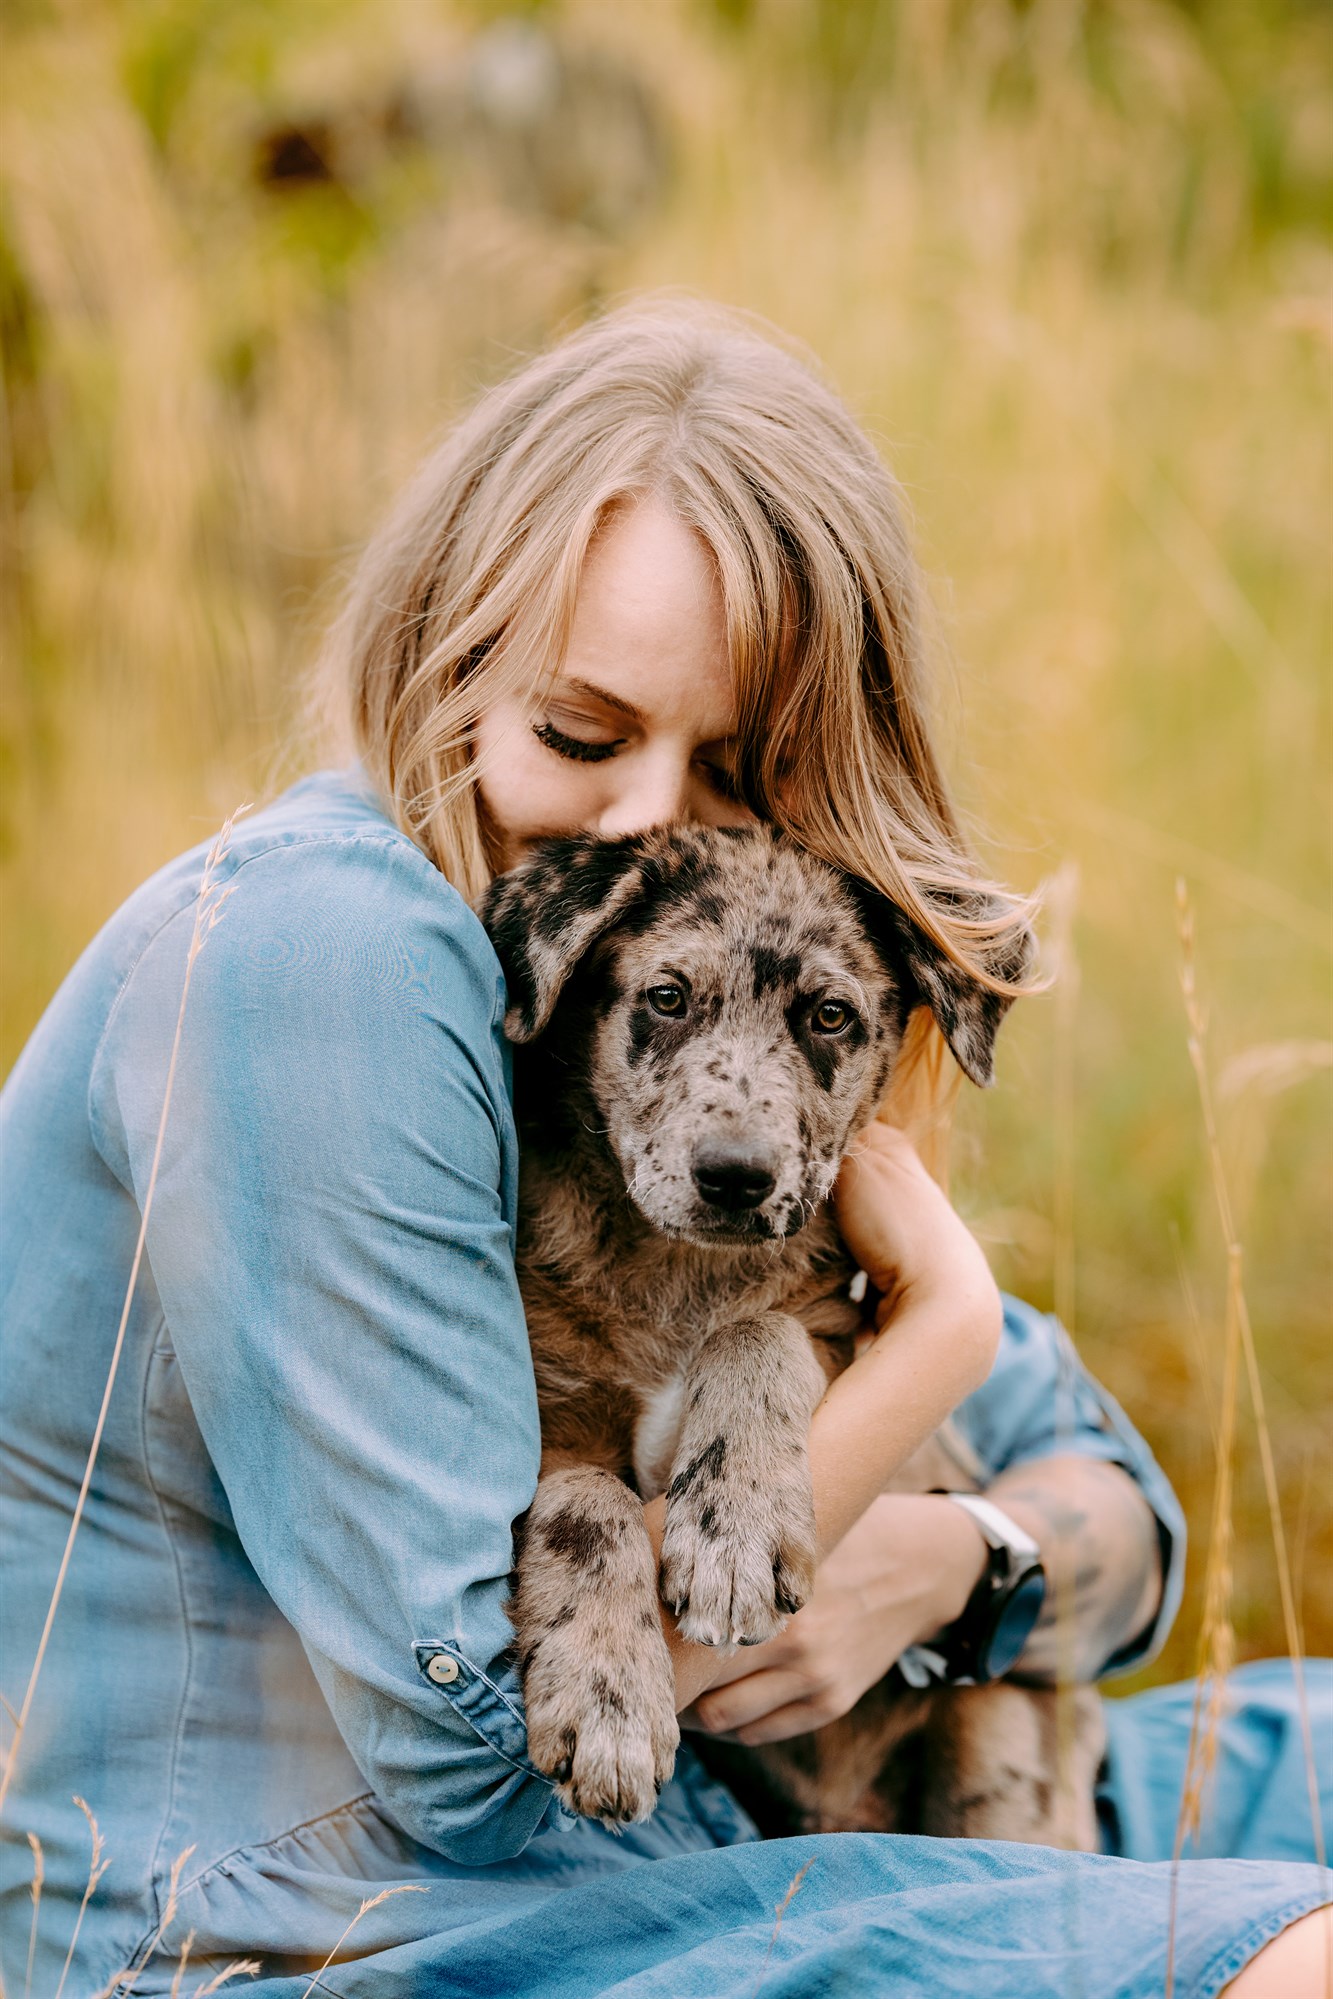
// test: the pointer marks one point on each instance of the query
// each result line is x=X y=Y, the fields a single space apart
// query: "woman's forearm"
x=937 y=1347
x=1099 y=1542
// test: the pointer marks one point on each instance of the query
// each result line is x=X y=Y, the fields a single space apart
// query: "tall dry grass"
x=1070 y=264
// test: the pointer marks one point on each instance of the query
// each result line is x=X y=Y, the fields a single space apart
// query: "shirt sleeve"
x=331 y=1239
x=1040 y=1400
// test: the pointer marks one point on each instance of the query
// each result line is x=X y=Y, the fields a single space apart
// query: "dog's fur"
x=705 y=1019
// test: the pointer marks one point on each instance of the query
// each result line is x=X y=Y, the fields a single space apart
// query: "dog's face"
x=738 y=1008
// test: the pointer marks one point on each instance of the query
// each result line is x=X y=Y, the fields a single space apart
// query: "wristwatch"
x=997 y=1619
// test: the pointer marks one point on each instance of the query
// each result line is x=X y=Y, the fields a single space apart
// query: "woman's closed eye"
x=594 y=750
x=578 y=749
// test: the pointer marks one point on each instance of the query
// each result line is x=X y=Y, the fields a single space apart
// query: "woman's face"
x=638 y=730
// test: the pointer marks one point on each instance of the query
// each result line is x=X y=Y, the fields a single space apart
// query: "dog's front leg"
x=597 y=1677
x=738 y=1555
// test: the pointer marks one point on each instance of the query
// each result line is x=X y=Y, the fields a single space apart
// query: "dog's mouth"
x=709 y=1227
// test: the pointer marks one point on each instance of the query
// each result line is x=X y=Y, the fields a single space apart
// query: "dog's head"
x=736 y=1007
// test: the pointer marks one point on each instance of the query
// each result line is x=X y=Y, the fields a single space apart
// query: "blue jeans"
x=1257 y=1805
x=585 y=1916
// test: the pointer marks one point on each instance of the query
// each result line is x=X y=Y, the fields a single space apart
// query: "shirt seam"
x=288 y=1832
x=187 y=1677
x=1234 y=1956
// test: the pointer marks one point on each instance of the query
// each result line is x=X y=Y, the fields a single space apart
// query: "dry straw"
x=371 y=1902
x=207 y=910
x=38 y=1877
x=97 y=1867
x=1216 y=1635
x=793 y=1890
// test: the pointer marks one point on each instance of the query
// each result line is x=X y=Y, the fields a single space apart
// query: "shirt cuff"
x=492 y=1708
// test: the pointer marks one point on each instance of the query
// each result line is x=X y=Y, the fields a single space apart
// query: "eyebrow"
x=601 y=694
x=592 y=692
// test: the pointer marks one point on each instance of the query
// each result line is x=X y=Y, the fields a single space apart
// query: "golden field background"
x=1070 y=263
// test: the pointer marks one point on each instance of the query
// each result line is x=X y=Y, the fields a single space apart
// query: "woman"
x=658 y=575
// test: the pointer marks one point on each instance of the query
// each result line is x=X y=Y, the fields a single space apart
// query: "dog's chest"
x=656 y=1433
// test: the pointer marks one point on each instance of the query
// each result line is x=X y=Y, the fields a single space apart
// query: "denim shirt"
x=287 y=1598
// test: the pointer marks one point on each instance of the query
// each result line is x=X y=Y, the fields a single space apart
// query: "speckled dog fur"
x=705 y=1019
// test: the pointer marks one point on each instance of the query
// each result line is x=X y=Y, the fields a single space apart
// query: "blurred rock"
x=571 y=134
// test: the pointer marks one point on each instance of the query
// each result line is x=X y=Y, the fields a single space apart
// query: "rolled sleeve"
x=331 y=1239
x=1040 y=1400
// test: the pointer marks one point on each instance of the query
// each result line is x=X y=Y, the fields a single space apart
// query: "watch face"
x=1013 y=1626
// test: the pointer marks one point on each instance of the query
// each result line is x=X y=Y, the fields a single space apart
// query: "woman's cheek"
x=528 y=795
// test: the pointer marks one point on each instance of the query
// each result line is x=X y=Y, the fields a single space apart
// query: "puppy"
x=703 y=1021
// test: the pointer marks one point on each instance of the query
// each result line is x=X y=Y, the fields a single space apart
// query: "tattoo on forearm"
x=1099 y=1543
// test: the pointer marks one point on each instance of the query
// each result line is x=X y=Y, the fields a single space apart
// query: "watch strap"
x=1013 y=1563
x=998 y=1530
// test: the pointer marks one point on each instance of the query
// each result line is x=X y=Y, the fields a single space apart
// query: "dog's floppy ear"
x=967 y=1012
x=549 y=910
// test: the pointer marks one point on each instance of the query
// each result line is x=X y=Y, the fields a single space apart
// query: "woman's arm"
x=938 y=1324
x=906 y=1570
x=331 y=1250
x=1098 y=1541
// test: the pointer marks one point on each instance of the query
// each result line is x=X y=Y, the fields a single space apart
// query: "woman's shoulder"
x=315 y=917
x=322 y=872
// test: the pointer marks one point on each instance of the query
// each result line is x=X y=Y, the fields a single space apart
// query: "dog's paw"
x=609 y=1743
x=736 y=1565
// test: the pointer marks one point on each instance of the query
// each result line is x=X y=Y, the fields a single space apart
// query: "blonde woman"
x=658 y=575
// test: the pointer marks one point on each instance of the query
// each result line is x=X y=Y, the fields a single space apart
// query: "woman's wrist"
x=944 y=1547
x=958 y=1551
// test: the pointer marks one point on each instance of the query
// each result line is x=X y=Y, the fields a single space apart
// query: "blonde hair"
x=467 y=594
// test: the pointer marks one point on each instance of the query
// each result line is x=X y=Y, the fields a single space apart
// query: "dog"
x=702 y=1021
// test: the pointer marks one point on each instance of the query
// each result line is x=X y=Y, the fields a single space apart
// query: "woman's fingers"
x=797 y=1718
x=728 y=1710
x=747 y=1660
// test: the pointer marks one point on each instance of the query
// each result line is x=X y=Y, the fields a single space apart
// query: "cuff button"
x=442 y=1669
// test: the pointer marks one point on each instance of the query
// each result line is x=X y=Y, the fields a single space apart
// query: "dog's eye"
x=830 y=1017
x=667 y=1000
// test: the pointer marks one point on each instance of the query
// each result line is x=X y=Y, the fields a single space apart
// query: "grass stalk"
x=97 y=1867
x=134 y=1972
x=1217 y=1636
x=1254 y=1381
x=182 y=1962
x=793 y=1890
x=209 y=902
x=38 y=1877
x=240 y=1967
x=371 y=1902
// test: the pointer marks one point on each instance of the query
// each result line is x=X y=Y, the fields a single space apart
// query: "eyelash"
x=572 y=746
x=577 y=751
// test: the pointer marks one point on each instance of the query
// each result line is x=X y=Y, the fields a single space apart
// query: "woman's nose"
x=656 y=794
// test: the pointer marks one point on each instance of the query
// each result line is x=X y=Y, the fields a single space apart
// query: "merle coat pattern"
x=705 y=1019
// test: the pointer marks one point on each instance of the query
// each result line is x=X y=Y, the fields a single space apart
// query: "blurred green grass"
x=1071 y=264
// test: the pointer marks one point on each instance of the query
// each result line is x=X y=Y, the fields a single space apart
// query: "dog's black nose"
x=733 y=1176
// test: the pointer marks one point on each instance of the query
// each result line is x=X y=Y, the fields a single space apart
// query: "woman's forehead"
x=649 y=631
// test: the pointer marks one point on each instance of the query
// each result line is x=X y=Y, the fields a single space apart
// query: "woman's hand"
x=899 y=1225
x=904 y=1571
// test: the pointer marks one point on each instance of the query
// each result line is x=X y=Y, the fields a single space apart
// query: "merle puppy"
x=704 y=1020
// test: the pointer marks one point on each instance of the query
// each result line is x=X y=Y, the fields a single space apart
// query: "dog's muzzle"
x=734 y=1176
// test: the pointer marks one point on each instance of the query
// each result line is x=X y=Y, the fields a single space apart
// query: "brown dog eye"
x=830 y=1018
x=667 y=1000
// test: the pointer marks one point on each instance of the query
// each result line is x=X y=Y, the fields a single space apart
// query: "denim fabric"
x=322 y=1429
x=1257 y=1802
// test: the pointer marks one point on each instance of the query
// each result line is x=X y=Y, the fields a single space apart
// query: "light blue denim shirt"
x=324 y=1422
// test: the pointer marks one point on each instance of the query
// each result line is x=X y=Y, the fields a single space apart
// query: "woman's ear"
x=549 y=910
x=967 y=1012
